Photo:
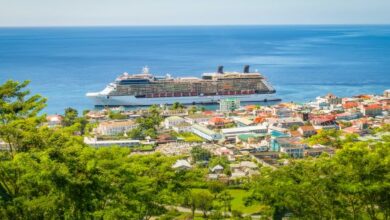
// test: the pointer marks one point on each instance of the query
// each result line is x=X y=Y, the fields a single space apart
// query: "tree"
x=16 y=102
x=220 y=160
x=116 y=115
x=18 y=114
x=203 y=200
x=70 y=116
x=226 y=199
x=198 y=153
x=216 y=187
x=177 y=105
x=348 y=185
x=193 y=109
x=330 y=137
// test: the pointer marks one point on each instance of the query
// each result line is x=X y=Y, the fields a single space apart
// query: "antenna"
x=220 y=69
x=145 y=70
x=246 y=69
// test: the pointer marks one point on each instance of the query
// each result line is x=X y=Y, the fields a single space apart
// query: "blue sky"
x=191 y=12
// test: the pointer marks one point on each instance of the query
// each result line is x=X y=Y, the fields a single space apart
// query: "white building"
x=93 y=142
x=54 y=120
x=182 y=165
x=182 y=127
x=3 y=145
x=115 y=127
x=197 y=118
x=229 y=105
x=206 y=133
x=229 y=133
x=172 y=121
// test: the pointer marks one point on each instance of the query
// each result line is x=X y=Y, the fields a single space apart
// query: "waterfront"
x=302 y=62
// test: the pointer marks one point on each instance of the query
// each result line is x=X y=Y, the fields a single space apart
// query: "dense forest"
x=50 y=174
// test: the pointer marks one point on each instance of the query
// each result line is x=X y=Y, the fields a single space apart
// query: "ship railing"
x=271 y=88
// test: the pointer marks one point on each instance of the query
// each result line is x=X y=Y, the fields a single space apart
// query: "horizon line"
x=192 y=25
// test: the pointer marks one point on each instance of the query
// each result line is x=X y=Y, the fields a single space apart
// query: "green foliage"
x=51 y=174
x=18 y=116
x=199 y=154
x=147 y=125
x=350 y=185
x=79 y=125
x=116 y=115
x=17 y=103
x=216 y=187
x=70 y=116
x=201 y=199
x=188 y=137
x=221 y=160
x=329 y=137
x=177 y=105
x=294 y=127
x=193 y=109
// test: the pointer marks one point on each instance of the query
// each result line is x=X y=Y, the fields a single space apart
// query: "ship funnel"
x=246 y=69
x=220 y=69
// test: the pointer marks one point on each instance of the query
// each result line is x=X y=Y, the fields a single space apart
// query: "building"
x=217 y=169
x=116 y=127
x=54 y=120
x=307 y=131
x=290 y=145
x=386 y=93
x=93 y=142
x=197 y=118
x=289 y=122
x=3 y=145
x=371 y=110
x=324 y=122
x=182 y=165
x=231 y=133
x=347 y=116
x=219 y=122
x=282 y=111
x=229 y=105
x=332 y=99
x=172 y=121
x=206 y=133
x=182 y=127
x=317 y=150
x=96 y=115
x=243 y=121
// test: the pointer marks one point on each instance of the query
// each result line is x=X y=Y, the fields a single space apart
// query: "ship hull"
x=103 y=100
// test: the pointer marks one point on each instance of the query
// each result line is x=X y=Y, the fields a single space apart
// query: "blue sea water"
x=302 y=62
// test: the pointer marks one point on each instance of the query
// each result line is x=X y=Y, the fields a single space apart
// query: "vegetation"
x=353 y=184
x=200 y=154
x=50 y=174
x=79 y=124
x=330 y=137
x=116 y=115
x=188 y=137
x=147 y=124
x=177 y=105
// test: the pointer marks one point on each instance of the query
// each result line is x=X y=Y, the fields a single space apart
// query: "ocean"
x=301 y=62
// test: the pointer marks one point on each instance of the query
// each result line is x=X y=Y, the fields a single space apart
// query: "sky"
x=191 y=12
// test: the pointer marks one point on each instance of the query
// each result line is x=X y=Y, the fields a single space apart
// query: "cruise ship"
x=147 y=89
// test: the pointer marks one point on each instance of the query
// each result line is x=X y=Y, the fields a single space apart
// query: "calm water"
x=302 y=62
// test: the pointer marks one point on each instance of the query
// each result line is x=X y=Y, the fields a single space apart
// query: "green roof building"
x=229 y=104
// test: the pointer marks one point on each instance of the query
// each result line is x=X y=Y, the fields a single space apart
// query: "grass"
x=143 y=148
x=238 y=202
x=189 y=137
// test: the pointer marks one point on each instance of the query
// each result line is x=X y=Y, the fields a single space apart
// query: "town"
x=246 y=135
x=240 y=161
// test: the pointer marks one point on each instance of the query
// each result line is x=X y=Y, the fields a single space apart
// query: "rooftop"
x=243 y=129
x=204 y=129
